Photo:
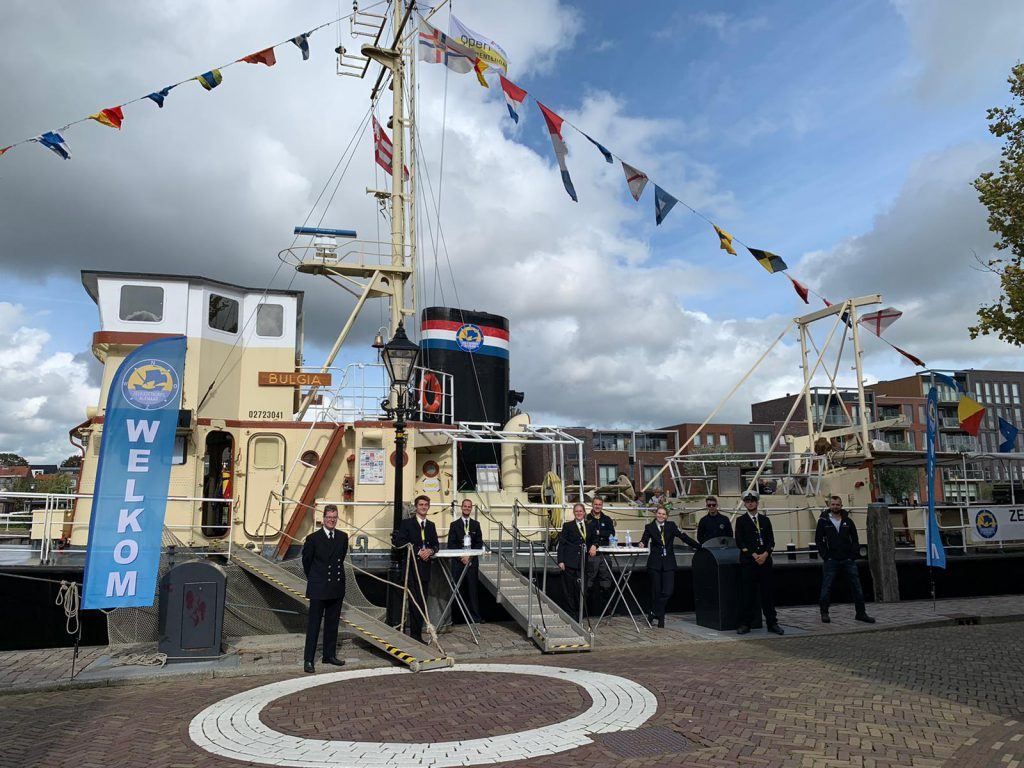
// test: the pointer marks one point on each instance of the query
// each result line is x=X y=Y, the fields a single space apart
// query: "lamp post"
x=399 y=356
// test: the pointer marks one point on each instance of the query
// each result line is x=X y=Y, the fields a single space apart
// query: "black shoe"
x=776 y=629
x=651 y=618
x=864 y=617
x=308 y=667
x=742 y=629
x=335 y=662
x=825 y=618
x=661 y=623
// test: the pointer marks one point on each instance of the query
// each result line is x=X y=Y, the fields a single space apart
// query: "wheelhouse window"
x=223 y=314
x=270 y=321
x=141 y=304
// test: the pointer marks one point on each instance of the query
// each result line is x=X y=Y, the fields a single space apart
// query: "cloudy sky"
x=841 y=135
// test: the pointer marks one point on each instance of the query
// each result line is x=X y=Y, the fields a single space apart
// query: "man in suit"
x=572 y=556
x=323 y=562
x=756 y=541
x=660 y=536
x=836 y=539
x=600 y=529
x=421 y=534
x=714 y=524
x=465 y=533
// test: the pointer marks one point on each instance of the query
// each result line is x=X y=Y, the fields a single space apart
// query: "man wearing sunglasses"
x=714 y=523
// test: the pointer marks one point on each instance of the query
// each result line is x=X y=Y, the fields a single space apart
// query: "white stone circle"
x=232 y=727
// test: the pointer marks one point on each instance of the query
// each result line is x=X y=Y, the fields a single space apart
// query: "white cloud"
x=963 y=48
x=42 y=393
x=919 y=254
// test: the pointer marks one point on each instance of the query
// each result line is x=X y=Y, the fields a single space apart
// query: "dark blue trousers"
x=831 y=569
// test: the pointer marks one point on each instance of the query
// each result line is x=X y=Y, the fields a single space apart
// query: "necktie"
x=330 y=535
x=423 y=531
x=661 y=533
x=580 y=527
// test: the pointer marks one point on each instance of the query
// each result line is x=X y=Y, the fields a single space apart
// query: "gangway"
x=546 y=624
x=417 y=656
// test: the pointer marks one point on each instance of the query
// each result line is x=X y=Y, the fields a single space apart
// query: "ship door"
x=218 y=479
x=264 y=511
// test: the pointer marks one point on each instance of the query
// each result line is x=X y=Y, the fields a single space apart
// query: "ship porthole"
x=310 y=459
x=430 y=469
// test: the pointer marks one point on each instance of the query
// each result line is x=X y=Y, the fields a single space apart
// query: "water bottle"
x=612 y=541
x=629 y=539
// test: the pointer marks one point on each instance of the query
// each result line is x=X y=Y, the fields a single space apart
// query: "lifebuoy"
x=430 y=385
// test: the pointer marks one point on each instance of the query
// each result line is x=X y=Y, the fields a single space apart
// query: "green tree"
x=898 y=482
x=12 y=460
x=74 y=460
x=1002 y=193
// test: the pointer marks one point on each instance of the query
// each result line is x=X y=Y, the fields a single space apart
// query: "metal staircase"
x=417 y=656
x=551 y=628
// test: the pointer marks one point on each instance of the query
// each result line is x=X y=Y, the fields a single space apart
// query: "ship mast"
x=361 y=277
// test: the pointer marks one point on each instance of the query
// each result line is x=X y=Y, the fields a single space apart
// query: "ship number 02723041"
x=266 y=414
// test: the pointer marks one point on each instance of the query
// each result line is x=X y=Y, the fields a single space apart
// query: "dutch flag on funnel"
x=464 y=337
x=555 y=129
x=514 y=97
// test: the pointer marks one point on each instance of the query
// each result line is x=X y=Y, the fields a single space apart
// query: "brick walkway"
x=282 y=654
x=949 y=695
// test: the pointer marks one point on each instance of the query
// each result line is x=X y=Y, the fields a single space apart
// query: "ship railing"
x=363 y=386
x=784 y=472
x=46 y=521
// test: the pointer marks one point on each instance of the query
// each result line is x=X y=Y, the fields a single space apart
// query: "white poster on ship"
x=996 y=523
x=371 y=466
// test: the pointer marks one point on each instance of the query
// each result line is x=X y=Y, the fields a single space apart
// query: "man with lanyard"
x=465 y=533
x=756 y=541
x=660 y=536
x=714 y=524
x=836 y=539
x=421 y=535
x=600 y=529
x=571 y=556
x=323 y=562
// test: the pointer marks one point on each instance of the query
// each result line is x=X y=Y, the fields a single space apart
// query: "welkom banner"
x=130 y=495
x=997 y=523
x=936 y=554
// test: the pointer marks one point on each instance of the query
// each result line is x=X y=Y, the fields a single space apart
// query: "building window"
x=988 y=392
x=650 y=472
x=723 y=440
x=696 y=440
x=610 y=442
x=223 y=315
x=141 y=304
x=270 y=321
x=762 y=442
x=651 y=443
x=1015 y=390
x=607 y=474
x=180 y=450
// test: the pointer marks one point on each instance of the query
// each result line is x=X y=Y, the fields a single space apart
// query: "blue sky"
x=800 y=127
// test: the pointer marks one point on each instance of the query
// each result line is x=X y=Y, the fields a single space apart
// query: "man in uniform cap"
x=323 y=562
x=756 y=541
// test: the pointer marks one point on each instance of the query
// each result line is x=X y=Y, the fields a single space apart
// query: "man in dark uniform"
x=465 y=533
x=836 y=539
x=422 y=535
x=756 y=541
x=572 y=556
x=600 y=529
x=660 y=536
x=714 y=523
x=323 y=562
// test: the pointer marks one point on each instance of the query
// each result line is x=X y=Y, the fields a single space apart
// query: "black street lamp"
x=399 y=356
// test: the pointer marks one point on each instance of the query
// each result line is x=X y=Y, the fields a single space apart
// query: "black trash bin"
x=716 y=584
x=192 y=611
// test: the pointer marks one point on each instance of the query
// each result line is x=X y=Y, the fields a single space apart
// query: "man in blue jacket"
x=837 y=542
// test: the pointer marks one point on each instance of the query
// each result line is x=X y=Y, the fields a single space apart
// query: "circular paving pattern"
x=462 y=705
x=234 y=727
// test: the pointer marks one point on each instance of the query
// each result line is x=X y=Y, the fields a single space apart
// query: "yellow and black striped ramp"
x=397 y=645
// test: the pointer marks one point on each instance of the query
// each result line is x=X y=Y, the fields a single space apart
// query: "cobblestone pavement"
x=27 y=670
x=933 y=696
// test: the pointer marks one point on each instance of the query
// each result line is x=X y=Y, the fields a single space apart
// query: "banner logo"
x=469 y=337
x=986 y=524
x=150 y=384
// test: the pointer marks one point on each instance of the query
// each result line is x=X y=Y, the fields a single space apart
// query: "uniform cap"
x=751 y=495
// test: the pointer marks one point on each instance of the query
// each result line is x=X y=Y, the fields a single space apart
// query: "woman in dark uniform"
x=660 y=535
